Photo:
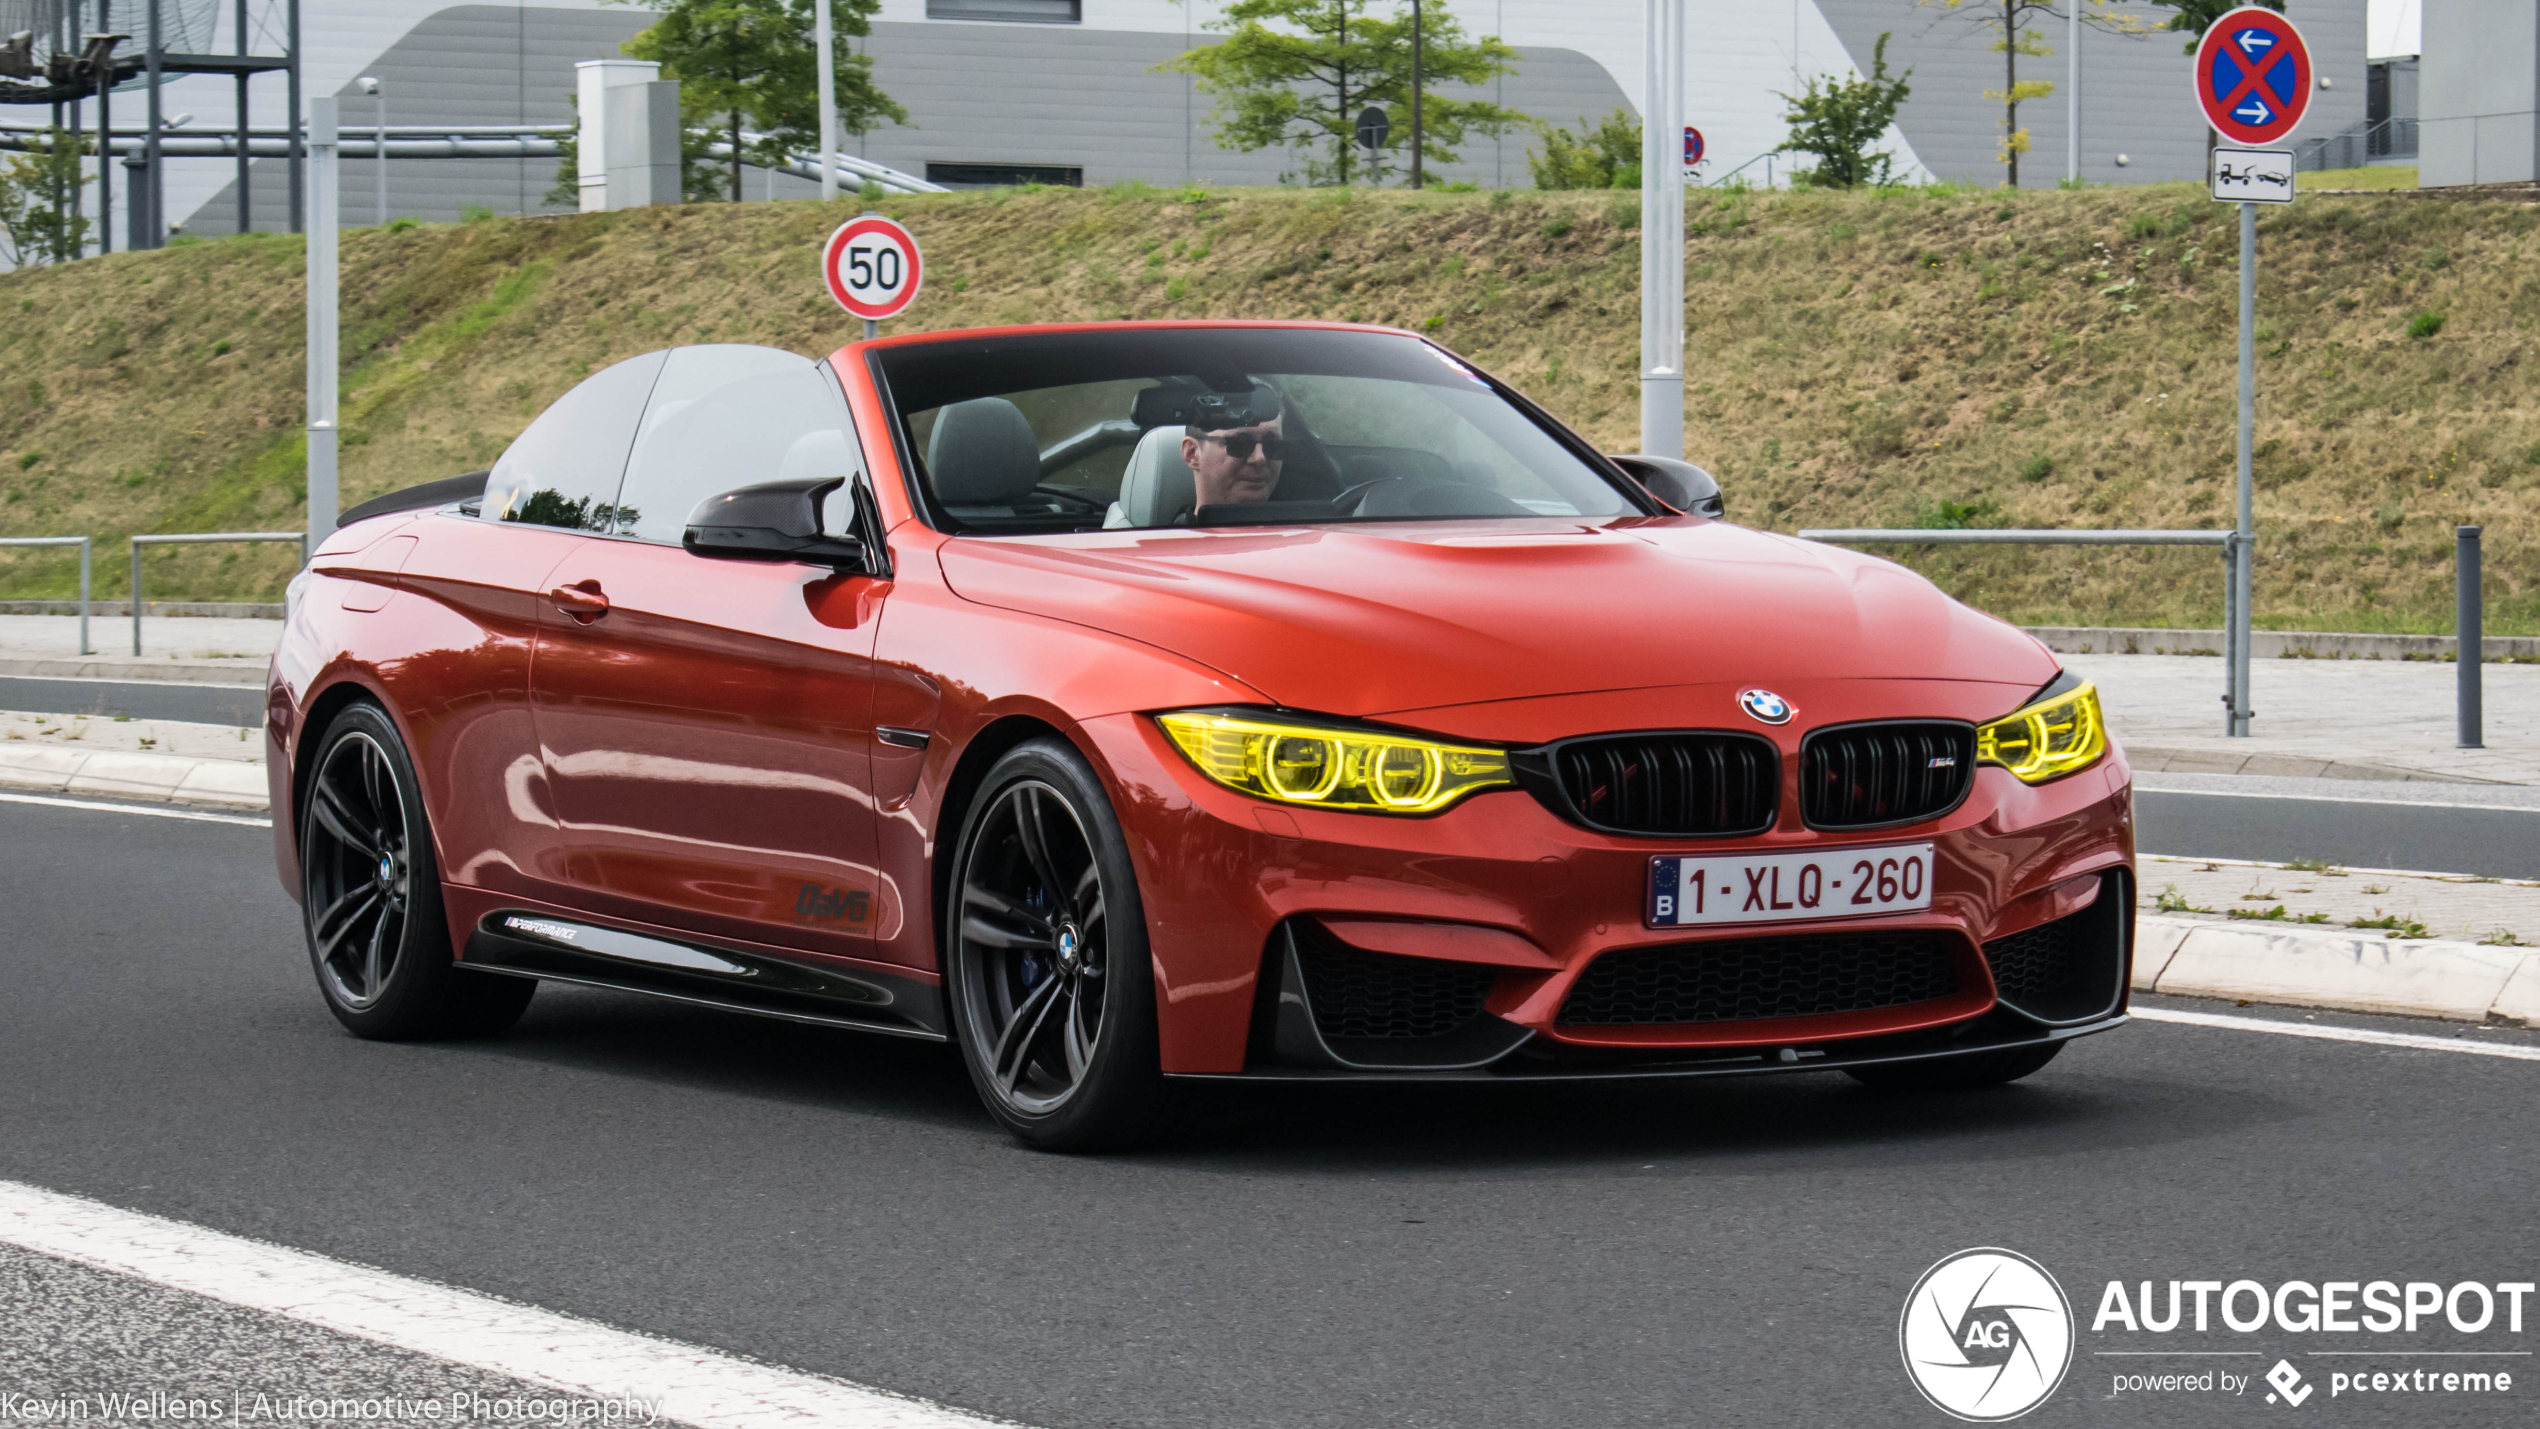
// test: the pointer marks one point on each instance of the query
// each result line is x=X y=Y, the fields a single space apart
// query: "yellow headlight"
x=1366 y=771
x=2049 y=739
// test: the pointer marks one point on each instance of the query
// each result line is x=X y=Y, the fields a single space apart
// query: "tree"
x=2014 y=25
x=1605 y=157
x=1297 y=74
x=2195 y=17
x=38 y=221
x=754 y=60
x=1840 y=120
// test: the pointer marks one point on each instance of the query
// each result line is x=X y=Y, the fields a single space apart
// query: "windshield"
x=1141 y=428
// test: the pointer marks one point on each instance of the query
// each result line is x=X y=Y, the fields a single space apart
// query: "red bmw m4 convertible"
x=1138 y=703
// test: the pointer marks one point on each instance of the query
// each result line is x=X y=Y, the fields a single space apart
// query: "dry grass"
x=2043 y=359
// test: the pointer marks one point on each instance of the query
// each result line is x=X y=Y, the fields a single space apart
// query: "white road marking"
x=698 y=1386
x=2417 y=1040
x=142 y=809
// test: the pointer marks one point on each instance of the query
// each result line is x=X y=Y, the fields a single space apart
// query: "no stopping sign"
x=872 y=267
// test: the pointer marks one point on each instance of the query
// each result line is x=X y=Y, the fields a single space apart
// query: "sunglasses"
x=1240 y=446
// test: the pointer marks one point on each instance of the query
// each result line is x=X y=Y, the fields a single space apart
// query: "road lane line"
x=698 y=1386
x=2416 y=1040
x=136 y=809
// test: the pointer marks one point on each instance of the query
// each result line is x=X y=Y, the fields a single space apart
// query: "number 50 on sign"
x=872 y=267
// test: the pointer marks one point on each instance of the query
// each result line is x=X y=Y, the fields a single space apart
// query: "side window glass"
x=778 y=425
x=564 y=470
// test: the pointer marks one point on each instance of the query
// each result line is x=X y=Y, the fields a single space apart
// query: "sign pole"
x=1662 y=233
x=2248 y=423
x=827 y=65
x=324 y=215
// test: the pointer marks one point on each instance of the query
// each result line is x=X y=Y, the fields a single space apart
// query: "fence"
x=2357 y=145
x=2235 y=620
x=84 y=545
x=297 y=538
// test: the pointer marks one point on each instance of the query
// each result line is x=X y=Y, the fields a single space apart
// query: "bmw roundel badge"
x=1766 y=706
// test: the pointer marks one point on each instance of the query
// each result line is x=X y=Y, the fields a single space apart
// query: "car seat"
x=1156 y=489
x=983 y=454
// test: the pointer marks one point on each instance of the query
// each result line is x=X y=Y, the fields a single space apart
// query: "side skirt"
x=540 y=945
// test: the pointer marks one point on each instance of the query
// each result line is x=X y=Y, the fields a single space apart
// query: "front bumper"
x=1501 y=885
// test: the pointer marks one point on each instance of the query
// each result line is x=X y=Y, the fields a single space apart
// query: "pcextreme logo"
x=1987 y=1335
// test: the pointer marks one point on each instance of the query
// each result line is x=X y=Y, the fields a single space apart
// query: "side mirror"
x=776 y=521
x=1680 y=484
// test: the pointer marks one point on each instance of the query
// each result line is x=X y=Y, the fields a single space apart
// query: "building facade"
x=1067 y=91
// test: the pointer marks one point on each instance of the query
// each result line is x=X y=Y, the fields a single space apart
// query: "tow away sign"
x=2253 y=175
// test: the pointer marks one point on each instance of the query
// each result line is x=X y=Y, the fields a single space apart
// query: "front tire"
x=1045 y=958
x=370 y=896
x=1959 y=1073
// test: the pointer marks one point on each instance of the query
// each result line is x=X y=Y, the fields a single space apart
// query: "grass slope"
x=1941 y=357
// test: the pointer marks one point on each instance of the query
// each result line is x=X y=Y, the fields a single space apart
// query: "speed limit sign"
x=872 y=267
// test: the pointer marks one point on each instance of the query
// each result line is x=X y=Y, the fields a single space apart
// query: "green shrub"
x=2425 y=325
x=2037 y=467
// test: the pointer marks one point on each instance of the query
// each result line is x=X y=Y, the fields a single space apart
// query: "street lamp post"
x=1662 y=232
x=827 y=64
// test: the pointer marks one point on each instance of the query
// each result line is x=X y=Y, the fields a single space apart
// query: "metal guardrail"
x=2235 y=632
x=84 y=543
x=297 y=538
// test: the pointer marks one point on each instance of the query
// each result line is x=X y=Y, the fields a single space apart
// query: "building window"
x=992 y=176
x=1039 y=12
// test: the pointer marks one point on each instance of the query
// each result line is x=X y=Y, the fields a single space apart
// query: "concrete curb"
x=95 y=667
x=2468 y=982
x=2274 y=644
x=2151 y=759
x=128 y=774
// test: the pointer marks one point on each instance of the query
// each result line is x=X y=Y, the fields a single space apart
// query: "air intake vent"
x=1697 y=784
x=2067 y=970
x=1357 y=994
x=1866 y=776
x=1746 y=979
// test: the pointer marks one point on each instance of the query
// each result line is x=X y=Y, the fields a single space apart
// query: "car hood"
x=1364 y=620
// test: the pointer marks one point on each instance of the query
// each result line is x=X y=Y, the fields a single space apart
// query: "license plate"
x=1782 y=887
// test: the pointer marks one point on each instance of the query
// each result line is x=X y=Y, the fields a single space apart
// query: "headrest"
x=982 y=453
x=1156 y=488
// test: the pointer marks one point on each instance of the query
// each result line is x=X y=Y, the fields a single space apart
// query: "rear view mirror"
x=1680 y=484
x=775 y=521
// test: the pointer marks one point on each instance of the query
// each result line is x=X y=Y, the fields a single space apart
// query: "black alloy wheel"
x=370 y=895
x=1046 y=965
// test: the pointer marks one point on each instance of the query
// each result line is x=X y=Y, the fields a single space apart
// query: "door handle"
x=582 y=600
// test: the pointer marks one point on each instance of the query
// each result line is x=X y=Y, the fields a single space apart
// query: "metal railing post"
x=2234 y=546
x=2471 y=631
x=83 y=543
x=203 y=538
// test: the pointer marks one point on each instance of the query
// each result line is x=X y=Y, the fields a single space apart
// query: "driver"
x=1235 y=445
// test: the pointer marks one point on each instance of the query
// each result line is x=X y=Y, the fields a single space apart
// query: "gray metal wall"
x=2136 y=95
x=1058 y=94
x=2479 y=119
x=470 y=64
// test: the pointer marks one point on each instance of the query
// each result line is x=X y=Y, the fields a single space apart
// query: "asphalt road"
x=1709 y=1254
x=2365 y=830
x=141 y=699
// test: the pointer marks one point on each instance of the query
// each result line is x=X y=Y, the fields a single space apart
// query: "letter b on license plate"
x=1785 y=887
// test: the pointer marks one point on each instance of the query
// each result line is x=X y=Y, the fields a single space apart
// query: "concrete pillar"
x=627 y=148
